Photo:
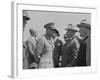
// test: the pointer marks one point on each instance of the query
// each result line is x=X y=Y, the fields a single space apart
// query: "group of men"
x=48 y=51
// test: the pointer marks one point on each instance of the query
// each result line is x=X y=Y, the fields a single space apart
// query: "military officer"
x=57 y=50
x=45 y=46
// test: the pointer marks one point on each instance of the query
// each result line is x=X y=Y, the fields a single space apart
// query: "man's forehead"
x=83 y=28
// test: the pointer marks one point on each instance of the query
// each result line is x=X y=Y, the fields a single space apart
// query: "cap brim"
x=56 y=31
x=72 y=30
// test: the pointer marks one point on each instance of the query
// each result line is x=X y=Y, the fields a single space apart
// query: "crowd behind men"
x=48 y=51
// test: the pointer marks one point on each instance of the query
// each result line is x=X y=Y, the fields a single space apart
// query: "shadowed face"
x=24 y=23
x=70 y=33
x=55 y=35
x=49 y=31
x=83 y=31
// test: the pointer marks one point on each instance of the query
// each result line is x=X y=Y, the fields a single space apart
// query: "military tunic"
x=45 y=48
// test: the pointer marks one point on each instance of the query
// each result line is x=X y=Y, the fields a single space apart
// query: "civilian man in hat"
x=70 y=48
x=57 y=49
x=45 y=47
x=25 y=19
x=84 y=58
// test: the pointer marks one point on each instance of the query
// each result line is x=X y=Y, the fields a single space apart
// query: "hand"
x=34 y=65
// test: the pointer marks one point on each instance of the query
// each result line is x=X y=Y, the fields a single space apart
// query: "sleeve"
x=61 y=48
x=62 y=51
x=76 y=46
x=40 y=46
x=30 y=47
x=88 y=52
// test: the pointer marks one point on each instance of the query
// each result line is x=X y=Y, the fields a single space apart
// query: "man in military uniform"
x=45 y=46
x=57 y=50
x=84 y=58
x=70 y=48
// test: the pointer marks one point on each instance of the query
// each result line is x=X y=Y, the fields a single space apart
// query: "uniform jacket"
x=45 y=49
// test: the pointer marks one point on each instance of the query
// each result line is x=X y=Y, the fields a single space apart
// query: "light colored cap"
x=72 y=28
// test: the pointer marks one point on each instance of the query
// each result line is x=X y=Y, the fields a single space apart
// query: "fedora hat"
x=84 y=24
x=72 y=28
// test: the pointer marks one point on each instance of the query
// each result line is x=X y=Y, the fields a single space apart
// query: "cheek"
x=82 y=33
x=48 y=31
x=69 y=34
x=53 y=35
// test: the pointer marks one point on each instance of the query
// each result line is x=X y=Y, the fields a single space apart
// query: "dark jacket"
x=57 y=52
x=70 y=53
x=84 y=52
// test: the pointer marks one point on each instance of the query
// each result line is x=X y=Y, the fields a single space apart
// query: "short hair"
x=32 y=31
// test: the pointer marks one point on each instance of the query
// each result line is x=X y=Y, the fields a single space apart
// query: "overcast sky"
x=61 y=19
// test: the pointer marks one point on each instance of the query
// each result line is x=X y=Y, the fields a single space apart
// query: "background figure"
x=84 y=58
x=31 y=45
x=45 y=47
x=57 y=50
x=25 y=18
x=70 y=48
x=25 y=62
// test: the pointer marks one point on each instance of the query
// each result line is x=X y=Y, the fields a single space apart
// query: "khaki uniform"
x=45 y=48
